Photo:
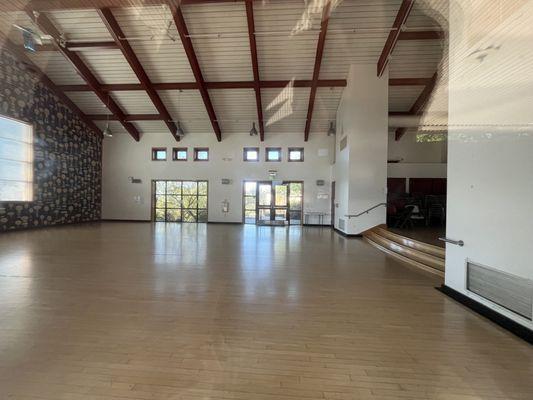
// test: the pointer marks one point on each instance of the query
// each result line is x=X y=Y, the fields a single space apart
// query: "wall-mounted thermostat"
x=226 y=181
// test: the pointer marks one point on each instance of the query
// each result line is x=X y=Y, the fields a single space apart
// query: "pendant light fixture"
x=253 y=131
x=180 y=132
x=107 y=132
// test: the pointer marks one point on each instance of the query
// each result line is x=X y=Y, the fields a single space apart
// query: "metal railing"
x=365 y=212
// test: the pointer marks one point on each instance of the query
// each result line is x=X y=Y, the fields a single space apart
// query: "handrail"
x=365 y=212
x=452 y=241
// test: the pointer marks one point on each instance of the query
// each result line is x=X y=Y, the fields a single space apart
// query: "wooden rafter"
x=48 y=28
x=316 y=70
x=118 y=35
x=210 y=85
x=394 y=34
x=19 y=53
x=255 y=66
x=179 y=21
x=420 y=103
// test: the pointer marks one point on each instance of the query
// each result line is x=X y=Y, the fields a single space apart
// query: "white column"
x=361 y=167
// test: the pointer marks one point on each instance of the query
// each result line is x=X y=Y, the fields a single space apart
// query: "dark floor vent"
x=509 y=291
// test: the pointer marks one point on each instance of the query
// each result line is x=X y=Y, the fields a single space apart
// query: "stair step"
x=415 y=244
x=413 y=251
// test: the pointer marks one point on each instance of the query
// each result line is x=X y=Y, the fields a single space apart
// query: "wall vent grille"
x=341 y=224
x=509 y=291
x=343 y=143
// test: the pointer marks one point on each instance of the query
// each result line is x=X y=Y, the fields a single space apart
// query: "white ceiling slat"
x=134 y=102
x=219 y=34
x=80 y=25
x=187 y=107
x=88 y=102
x=285 y=110
x=56 y=67
x=402 y=98
x=109 y=66
x=152 y=34
x=236 y=110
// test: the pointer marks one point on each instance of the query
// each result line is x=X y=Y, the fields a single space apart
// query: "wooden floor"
x=142 y=311
x=425 y=234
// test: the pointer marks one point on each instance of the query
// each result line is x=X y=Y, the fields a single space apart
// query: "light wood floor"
x=141 y=311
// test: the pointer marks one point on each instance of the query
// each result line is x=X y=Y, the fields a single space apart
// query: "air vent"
x=341 y=224
x=509 y=291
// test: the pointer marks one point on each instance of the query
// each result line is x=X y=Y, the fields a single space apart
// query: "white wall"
x=124 y=157
x=361 y=170
x=490 y=169
x=418 y=159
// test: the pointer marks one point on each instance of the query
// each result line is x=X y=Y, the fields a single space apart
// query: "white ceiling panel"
x=285 y=110
x=56 y=67
x=188 y=107
x=88 y=102
x=416 y=58
x=219 y=34
x=285 y=51
x=80 y=25
x=134 y=102
x=152 y=34
x=236 y=110
x=109 y=66
x=402 y=98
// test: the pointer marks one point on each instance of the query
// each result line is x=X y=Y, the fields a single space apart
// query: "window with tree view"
x=180 y=201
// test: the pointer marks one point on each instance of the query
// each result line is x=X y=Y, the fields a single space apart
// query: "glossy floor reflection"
x=170 y=311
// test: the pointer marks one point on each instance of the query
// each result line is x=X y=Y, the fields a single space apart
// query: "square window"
x=16 y=160
x=159 y=154
x=251 y=154
x=201 y=154
x=296 y=154
x=273 y=154
x=179 y=154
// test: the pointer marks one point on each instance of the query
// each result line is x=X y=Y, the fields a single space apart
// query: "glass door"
x=273 y=203
x=264 y=202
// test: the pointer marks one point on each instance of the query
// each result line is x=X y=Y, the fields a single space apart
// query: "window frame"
x=199 y=149
x=278 y=149
x=176 y=150
x=245 y=154
x=31 y=144
x=155 y=150
x=300 y=149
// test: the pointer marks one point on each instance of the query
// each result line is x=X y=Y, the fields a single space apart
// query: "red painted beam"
x=21 y=56
x=394 y=34
x=316 y=71
x=421 y=35
x=209 y=85
x=195 y=66
x=255 y=66
x=48 y=28
x=420 y=103
x=118 y=36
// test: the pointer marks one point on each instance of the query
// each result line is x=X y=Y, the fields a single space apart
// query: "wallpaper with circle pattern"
x=67 y=154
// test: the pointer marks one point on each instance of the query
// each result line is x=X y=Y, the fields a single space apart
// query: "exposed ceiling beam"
x=48 y=28
x=394 y=34
x=210 y=85
x=420 y=103
x=157 y=117
x=316 y=71
x=118 y=36
x=255 y=66
x=179 y=21
x=19 y=53
x=421 y=35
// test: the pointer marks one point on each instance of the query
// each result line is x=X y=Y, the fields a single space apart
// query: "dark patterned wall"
x=67 y=167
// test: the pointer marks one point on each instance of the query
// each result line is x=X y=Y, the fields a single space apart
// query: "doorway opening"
x=273 y=203
x=179 y=201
